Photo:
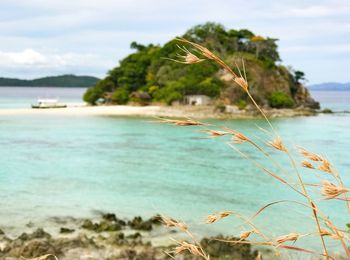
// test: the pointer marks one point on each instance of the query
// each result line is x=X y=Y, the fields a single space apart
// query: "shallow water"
x=75 y=166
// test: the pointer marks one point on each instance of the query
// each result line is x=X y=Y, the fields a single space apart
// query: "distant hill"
x=54 y=81
x=331 y=86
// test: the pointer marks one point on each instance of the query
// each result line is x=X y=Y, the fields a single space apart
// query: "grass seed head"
x=187 y=58
x=245 y=234
x=211 y=219
x=278 y=144
x=220 y=215
x=239 y=138
x=188 y=122
x=325 y=232
x=168 y=222
x=290 y=237
x=325 y=166
x=190 y=58
x=309 y=155
x=214 y=133
x=193 y=249
x=242 y=83
x=331 y=191
x=307 y=164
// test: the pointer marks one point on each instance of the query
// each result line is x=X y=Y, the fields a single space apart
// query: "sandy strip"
x=85 y=110
x=148 y=111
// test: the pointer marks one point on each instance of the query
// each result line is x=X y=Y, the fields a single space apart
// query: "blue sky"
x=51 y=37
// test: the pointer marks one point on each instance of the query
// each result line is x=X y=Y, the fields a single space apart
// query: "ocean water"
x=77 y=166
x=22 y=97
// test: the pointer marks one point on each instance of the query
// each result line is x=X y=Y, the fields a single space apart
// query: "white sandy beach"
x=85 y=110
x=80 y=109
x=147 y=111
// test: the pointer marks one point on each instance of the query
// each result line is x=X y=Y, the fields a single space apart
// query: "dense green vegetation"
x=54 y=81
x=149 y=71
x=279 y=99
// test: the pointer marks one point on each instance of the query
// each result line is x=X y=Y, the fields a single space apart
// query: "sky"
x=89 y=37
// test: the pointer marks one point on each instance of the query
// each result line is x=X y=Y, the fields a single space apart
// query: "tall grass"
x=331 y=187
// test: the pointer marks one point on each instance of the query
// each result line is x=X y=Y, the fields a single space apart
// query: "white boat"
x=48 y=103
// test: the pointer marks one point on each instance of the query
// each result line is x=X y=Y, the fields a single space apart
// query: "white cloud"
x=25 y=57
x=30 y=57
x=325 y=49
x=30 y=63
x=322 y=10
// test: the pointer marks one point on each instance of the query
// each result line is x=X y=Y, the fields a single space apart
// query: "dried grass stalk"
x=43 y=257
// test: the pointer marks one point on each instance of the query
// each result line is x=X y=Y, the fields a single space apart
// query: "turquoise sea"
x=78 y=166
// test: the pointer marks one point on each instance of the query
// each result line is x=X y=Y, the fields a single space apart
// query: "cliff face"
x=263 y=83
x=303 y=98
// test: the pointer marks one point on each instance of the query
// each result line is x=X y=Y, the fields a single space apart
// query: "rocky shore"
x=111 y=238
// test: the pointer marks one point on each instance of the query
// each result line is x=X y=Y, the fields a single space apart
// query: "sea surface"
x=79 y=166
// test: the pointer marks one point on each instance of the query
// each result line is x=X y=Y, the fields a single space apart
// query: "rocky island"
x=150 y=75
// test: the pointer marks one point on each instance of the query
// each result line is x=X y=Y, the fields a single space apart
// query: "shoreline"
x=199 y=112
x=109 y=237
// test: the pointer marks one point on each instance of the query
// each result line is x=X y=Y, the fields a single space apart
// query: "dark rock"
x=128 y=253
x=156 y=220
x=138 y=224
x=222 y=250
x=40 y=233
x=135 y=235
x=30 y=224
x=118 y=239
x=78 y=242
x=35 y=248
x=108 y=226
x=64 y=230
x=113 y=218
x=24 y=236
x=121 y=235
x=87 y=224
x=121 y=222
x=327 y=111
x=37 y=234
x=110 y=217
x=2 y=232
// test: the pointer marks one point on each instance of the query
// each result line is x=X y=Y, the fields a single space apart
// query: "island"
x=53 y=81
x=150 y=75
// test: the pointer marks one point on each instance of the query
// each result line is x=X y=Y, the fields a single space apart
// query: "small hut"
x=197 y=100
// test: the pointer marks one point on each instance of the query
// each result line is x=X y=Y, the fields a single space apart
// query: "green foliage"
x=279 y=99
x=241 y=104
x=173 y=91
x=92 y=95
x=152 y=90
x=120 y=96
x=299 y=76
